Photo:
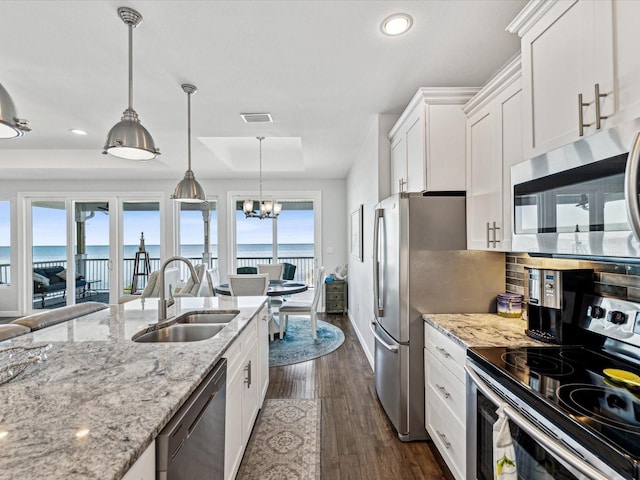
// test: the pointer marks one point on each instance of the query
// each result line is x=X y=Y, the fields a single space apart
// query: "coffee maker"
x=554 y=301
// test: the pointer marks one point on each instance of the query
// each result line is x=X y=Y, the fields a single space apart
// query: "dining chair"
x=303 y=308
x=246 y=270
x=213 y=280
x=289 y=272
x=274 y=270
x=253 y=285
x=193 y=288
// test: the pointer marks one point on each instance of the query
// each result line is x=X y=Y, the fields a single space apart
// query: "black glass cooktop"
x=571 y=383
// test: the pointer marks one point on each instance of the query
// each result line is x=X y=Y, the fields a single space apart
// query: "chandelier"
x=268 y=208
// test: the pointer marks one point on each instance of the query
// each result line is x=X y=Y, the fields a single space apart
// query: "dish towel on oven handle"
x=504 y=452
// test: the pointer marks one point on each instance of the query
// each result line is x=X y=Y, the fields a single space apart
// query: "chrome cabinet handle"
x=495 y=239
x=631 y=187
x=247 y=380
x=598 y=96
x=581 y=123
x=488 y=235
x=443 y=437
x=443 y=390
x=443 y=352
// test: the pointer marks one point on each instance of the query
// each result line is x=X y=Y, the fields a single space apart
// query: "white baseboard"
x=363 y=344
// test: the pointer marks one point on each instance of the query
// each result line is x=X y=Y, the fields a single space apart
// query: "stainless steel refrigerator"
x=421 y=265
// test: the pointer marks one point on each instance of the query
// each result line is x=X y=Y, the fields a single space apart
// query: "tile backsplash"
x=618 y=279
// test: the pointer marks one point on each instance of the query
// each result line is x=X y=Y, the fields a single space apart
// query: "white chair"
x=303 y=308
x=274 y=270
x=193 y=288
x=248 y=284
x=253 y=285
x=213 y=280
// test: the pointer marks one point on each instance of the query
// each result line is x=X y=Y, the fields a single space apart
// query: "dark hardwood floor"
x=358 y=442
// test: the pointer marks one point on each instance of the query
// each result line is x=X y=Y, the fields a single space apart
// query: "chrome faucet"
x=163 y=304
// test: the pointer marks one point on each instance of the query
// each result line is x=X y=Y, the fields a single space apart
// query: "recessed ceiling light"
x=396 y=24
x=77 y=131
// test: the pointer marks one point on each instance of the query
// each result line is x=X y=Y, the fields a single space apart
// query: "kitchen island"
x=100 y=399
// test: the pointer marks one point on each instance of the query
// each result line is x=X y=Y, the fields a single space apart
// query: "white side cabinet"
x=145 y=466
x=445 y=397
x=263 y=354
x=242 y=401
x=494 y=144
x=427 y=142
x=580 y=69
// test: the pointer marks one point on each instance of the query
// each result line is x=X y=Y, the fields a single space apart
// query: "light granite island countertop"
x=481 y=329
x=97 y=379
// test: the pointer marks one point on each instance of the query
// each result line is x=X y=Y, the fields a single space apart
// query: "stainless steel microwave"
x=582 y=199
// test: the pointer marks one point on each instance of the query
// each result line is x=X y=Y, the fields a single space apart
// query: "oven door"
x=538 y=455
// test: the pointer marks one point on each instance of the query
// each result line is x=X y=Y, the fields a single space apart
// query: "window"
x=5 y=241
x=139 y=218
x=199 y=230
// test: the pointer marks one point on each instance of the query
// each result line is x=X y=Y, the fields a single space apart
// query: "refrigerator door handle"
x=379 y=306
x=391 y=348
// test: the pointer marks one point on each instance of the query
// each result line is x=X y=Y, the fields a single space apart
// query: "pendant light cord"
x=260 y=138
x=130 y=67
x=189 y=130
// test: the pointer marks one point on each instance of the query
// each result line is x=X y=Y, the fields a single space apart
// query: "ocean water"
x=52 y=253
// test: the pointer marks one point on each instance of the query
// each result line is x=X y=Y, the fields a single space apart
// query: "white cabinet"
x=445 y=397
x=427 y=142
x=145 y=466
x=494 y=144
x=242 y=401
x=580 y=69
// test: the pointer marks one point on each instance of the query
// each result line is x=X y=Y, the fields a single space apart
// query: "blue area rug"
x=298 y=344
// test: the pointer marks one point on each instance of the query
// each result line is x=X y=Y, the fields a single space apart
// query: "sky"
x=294 y=226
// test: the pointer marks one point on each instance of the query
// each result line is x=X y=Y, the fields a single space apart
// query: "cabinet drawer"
x=334 y=296
x=335 y=307
x=448 y=434
x=447 y=387
x=334 y=287
x=446 y=350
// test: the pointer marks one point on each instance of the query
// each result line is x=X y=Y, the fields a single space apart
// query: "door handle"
x=581 y=123
x=631 y=187
x=391 y=348
x=378 y=306
x=599 y=117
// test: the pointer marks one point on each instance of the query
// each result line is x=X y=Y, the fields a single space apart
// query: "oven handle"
x=631 y=187
x=554 y=447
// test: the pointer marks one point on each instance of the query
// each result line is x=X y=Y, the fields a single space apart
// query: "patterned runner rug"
x=285 y=442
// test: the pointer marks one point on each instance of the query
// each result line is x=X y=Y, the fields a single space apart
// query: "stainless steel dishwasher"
x=191 y=446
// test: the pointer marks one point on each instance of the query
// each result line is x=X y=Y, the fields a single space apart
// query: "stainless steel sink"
x=208 y=317
x=180 y=332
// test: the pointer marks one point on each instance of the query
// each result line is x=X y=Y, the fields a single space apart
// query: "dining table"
x=277 y=288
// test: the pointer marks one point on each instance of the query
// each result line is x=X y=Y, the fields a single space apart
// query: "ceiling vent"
x=256 y=117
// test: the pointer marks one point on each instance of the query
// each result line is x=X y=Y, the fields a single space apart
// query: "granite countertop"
x=97 y=379
x=482 y=329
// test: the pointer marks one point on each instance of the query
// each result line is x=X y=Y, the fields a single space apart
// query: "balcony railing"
x=97 y=269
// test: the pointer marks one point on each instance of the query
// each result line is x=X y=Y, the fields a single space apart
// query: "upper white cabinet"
x=494 y=144
x=428 y=142
x=580 y=69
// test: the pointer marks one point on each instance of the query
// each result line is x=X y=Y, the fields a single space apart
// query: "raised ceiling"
x=322 y=69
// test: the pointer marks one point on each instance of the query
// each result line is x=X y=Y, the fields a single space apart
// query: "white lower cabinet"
x=145 y=466
x=445 y=398
x=244 y=391
x=263 y=354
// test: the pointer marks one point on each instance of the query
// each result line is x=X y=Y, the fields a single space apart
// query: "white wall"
x=334 y=236
x=367 y=184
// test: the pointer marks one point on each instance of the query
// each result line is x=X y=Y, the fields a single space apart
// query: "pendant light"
x=268 y=209
x=128 y=138
x=189 y=190
x=10 y=125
